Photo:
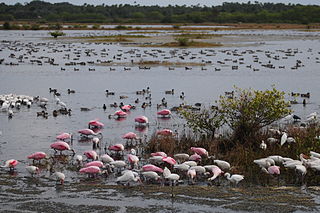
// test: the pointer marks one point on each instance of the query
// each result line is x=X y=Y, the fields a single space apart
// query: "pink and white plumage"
x=165 y=132
x=12 y=163
x=169 y=160
x=195 y=157
x=153 y=168
x=91 y=155
x=86 y=132
x=162 y=154
x=96 y=124
x=216 y=171
x=60 y=146
x=116 y=147
x=141 y=120
x=37 y=156
x=120 y=114
x=94 y=163
x=90 y=170
x=130 y=135
x=164 y=113
x=200 y=151
x=64 y=136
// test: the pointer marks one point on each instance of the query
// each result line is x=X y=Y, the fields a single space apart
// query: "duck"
x=169 y=92
x=109 y=93
x=71 y=91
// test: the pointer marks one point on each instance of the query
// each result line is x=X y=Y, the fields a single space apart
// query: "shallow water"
x=26 y=133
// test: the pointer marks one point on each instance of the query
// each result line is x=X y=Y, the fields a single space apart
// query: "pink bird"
x=195 y=157
x=91 y=155
x=120 y=114
x=37 y=156
x=11 y=164
x=126 y=108
x=165 y=132
x=91 y=170
x=133 y=160
x=162 y=154
x=117 y=147
x=152 y=168
x=86 y=132
x=95 y=124
x=64 y=136
x=130 y=136
x=216 y=171
x=200 y=151
x=141 y=120
x=61 y=146
x=274 y=170
x=169 y=160
x=164 y=113
x=192 y=174
x=96 y=163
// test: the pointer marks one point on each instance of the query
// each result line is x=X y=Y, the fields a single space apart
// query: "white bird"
x=79 y=159
x=216 y=172
x=292 y=164
x=168 y=175
x=263 y=145
x=151 y=175
x=276 y=158
x=272 y=140
x=192 y=173
x=264 y=162
x=59 y=177
x=10 y=113
x=182 y=167
x=198 y=169
x=156 y=159
x=32 y=170
x=190 y=163
x=315 y=154
x=181 y=156
x=127 y=177
x=283 y=138
x=224 y=165
x=235 y=179
x=106 y=158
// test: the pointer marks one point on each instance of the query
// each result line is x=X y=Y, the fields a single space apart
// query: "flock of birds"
x=85 y=56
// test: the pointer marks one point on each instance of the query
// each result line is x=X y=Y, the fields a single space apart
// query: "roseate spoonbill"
x=116 y=148
x=127 y=177
x=156 y=159
x=91 y=155
x=91 y=171
x=32 y=170
x=151 y=175
x=200 y=151
x=65 y=136
x=224 y=165
x=181 y=167
x=37 y=156
x=195 y=157
x=88 y=133
x=61 y=146
x=170 y=176
x=126 y=108
x=169 y=160
x=216 y=171
x=152 y=168
x=59 y=177
x=164 y=113
x=274 y=170
x=192 y=175
x=106 y=158
x=199 y=169
x=181 y=156
x=165 y=132
x=11 y=164
x=130 y=136
x=162 y=154
x=190 y=163
x=235 y=179
x=95 y=143
x=141 y=120
x=94 y=163
x=133 y=160
x=118 y=164
x=95 y=124
x=264 y=162
x=120 y=114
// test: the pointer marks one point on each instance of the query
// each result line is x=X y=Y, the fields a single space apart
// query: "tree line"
x=250 y=12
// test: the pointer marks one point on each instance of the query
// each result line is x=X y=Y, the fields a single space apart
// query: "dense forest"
x=250 y=12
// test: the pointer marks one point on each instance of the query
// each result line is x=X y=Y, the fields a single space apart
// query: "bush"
x=248 y=111
x=183 y=41
x=55 y=34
